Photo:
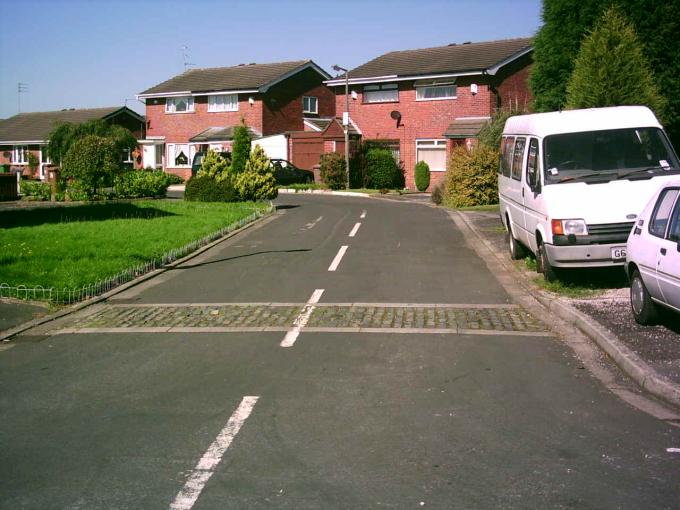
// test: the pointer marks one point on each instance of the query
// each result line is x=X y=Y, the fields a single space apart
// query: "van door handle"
x=522 y=192
x=663 y=251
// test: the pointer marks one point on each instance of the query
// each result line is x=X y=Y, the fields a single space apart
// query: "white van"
x=572 y=183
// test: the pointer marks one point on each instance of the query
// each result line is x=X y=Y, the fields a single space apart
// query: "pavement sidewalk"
x=648 y=354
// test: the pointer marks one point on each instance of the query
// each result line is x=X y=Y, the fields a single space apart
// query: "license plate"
x=619 y=253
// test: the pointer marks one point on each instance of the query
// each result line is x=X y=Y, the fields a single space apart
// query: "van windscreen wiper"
x=643 y=170
x=585 y=176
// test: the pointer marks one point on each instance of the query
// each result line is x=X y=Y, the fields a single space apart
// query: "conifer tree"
x=611 y=70
x=240 y=149
x=256 y=182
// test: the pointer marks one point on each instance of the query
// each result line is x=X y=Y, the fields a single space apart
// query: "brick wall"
x=282 y=108
x=419 y=119
x=513 y=84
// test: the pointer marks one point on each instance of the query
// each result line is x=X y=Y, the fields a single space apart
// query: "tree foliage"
x=65 y=134
x=240 y=149
x=383 y=172
x=566 y=22
x=471 y=176
x=332 y=170
x=422 y=174
x=256 y=182
x=92 y=161
x=215 y=166
x=492 y=132
x=610 y=69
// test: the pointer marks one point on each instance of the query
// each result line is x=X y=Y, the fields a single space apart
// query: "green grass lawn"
x=68 y=247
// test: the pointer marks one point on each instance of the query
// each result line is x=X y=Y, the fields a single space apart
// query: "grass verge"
x=68 y=247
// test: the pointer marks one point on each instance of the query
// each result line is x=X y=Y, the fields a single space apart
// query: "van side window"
x=506 y=155
x=518 y=158
x=532 y=158
x=662 y=212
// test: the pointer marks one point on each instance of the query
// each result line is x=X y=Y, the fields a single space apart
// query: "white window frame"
x=171 y=104
x=421 y=87
x=380 y=87
x=170 y=155
x=431 y=143
x=309 y=108
x=20 y=155
x=222 y=106
x=127 y=156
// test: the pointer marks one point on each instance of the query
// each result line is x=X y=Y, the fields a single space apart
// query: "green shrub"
x=93 y=161
x=4 y=169
x=383 y=171
x=174 y=179
x=471 y=177
x=214 y=166
x=75 y=192
x=437 y=195
x=333 y=170
x=492 y=132
x=37 y=190
x=256 y=182
x=422 y=172
x=202 y=188
x=240 y=148
x=141 y=183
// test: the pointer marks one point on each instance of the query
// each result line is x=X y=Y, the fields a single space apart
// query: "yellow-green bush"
x=471 y=177
x=257 y=181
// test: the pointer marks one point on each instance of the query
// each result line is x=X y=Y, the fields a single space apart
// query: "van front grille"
x=611 y=232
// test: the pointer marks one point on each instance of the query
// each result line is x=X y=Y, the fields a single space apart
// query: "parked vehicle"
x=198 y=160
x=572 y=183
x=653 y=255
x=286 y=172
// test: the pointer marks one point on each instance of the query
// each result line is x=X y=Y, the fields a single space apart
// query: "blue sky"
x=86 y=54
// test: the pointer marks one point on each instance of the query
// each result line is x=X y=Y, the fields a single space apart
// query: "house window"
x=44 y=156
x=127 y=156
x=433 y=90
x=158 y=153
x=432 y=152
x=223 y=103
x=310 y=104
x=182 y=104
x=179 y=155
x=383 y=93
x=20 y=155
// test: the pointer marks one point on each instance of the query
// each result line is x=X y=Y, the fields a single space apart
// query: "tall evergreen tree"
x=240 y=149
x=610 y=69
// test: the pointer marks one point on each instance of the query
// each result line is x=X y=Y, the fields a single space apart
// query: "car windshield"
x=609 y=154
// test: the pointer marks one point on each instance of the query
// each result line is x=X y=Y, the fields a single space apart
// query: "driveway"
x=345 y=353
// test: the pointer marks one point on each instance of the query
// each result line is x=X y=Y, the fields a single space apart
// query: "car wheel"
x=644 y=309
x=516 y=249
x=543 y=265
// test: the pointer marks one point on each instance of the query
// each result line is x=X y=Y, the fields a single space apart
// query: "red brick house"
x=29 y=132
x=198 y=109
x=421 y=103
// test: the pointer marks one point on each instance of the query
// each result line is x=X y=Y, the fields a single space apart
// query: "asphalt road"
x=488 y=411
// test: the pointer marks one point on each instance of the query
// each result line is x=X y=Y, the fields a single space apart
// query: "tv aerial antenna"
x=22 y=88
x=185 y=57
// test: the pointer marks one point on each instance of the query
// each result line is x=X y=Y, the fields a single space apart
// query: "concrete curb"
x=636 y=368
x=291 y=191
x=6 y=335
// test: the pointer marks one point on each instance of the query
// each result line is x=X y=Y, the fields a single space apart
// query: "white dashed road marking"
x=302 y=319
x=336 y=261
x=186 y=498
x=354 y=230
x=312 y=224
x=363 y=214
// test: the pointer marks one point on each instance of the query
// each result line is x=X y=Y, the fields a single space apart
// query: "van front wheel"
x=543 y=265
x=516 y=249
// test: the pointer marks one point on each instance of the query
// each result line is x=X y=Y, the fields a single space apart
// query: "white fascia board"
x=225 y=92
x=23 y=142
x=393 y=78
x=264 y=88
x=310 y=125
x=164 y=94
x=355 y=126
x=493 y=70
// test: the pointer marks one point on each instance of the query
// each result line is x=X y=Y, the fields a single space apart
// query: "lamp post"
x=345 y=120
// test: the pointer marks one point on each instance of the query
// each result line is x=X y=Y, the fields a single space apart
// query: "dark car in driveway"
x=286 y=172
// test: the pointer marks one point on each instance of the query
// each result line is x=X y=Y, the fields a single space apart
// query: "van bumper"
x=592 y=255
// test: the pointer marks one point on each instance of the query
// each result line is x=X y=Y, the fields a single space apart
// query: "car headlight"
x=569 y=227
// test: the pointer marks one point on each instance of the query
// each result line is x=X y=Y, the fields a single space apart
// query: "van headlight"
x=569 y=227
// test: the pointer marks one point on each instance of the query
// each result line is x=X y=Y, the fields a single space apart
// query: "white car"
x=653 y=255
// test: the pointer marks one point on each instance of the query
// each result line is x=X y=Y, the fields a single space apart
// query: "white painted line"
x=187 y=496
x=302 y=319
x=354 y=230
x=336 y=261
x=673 y=450
x=311 y=225
x=363 y=214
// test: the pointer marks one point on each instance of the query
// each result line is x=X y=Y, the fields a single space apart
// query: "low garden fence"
x=70 y=296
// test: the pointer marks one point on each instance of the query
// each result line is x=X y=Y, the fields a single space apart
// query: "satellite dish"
x=395 y=115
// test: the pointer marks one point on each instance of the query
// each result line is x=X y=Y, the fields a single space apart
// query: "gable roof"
x=454 y=59
x=250 y=77
x=36 y=126
x=466 y=127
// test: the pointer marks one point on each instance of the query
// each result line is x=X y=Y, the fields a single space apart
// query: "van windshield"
x=601 y=156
